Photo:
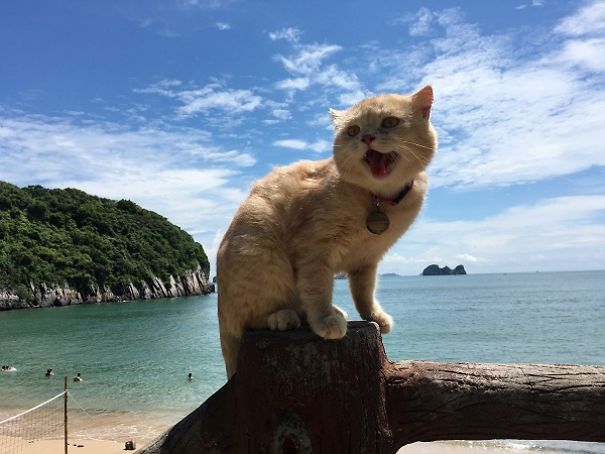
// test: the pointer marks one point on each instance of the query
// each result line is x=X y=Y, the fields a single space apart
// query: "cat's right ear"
x=423 y=101
x=336 y=116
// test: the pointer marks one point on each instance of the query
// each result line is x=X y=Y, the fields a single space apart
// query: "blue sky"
x=180 y=105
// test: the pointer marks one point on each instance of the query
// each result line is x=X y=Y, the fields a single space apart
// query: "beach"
x=107 y=433
x=89 y=446
x=57 y=446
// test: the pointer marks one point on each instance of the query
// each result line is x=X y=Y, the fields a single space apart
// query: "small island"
x=435 y=270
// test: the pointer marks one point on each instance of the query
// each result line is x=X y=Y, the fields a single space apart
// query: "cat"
x=305 y=222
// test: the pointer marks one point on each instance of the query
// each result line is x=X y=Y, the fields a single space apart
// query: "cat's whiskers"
x=407 y=153
x=417 y=144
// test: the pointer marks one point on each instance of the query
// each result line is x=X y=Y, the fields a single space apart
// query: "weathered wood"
x=296 y=393
x=431 y=401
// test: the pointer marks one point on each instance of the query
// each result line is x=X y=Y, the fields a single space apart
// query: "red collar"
x=407 y=188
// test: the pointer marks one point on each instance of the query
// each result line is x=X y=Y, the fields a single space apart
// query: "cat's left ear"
x=336 y=116
x=423 y=101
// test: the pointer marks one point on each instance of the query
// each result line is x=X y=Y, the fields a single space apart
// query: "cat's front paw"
x=332 y=326
x=283 y=320
x=384 y=320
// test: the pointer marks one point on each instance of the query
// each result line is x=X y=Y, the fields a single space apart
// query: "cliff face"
x=192 y=282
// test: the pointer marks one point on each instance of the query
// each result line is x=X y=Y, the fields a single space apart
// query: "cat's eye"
x=390 y=122
x=353 y=130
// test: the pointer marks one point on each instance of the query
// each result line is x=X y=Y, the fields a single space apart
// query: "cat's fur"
x=305 y=222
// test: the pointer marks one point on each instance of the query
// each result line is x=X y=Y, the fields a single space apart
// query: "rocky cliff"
x=435 y=270
x=192 y=282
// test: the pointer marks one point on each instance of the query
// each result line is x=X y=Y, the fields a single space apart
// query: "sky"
x=180 y=105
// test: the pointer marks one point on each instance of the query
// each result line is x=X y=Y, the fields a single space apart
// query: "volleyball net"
x=46 y=420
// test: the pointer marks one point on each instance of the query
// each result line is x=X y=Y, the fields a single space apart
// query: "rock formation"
x=192 y=282
x=435 y=270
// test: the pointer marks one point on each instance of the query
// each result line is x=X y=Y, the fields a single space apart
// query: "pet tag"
x=377 y=222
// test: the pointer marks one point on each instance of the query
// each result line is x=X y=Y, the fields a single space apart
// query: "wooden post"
x=65 y=413
x=296 y=393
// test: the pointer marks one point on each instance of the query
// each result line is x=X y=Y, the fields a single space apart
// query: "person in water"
x=49 y=372
x=190 y=376
x=78 y=377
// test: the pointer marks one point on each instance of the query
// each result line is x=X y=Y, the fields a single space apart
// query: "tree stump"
x=295 y=393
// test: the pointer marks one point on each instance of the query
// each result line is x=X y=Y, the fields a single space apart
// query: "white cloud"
x=281 y=114
x=589 y=53
x=588 y=19
x=298 y=83
x=290 y=34
x=319 y=146
x=210 y=97
x=176 y=172
x=421 y=23
x=294 y=144
x=507 y=120
x=307 y=64
x=222 y=26
x=204 y=4
x=561 y=233
x=207 y=98
x=308 y=58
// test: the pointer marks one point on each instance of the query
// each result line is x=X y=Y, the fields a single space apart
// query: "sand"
x=88 y=446
x=113 y=447
x=76 y=446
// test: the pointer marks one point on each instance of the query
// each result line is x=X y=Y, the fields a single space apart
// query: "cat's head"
x=385 y=141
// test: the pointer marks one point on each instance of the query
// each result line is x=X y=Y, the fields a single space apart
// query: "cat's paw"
x=283 y=320
x=384 y=320
x=333 y=326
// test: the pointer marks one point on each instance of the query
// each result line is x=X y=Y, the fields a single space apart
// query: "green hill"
x=49 y=237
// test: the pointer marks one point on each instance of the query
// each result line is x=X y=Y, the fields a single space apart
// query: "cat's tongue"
x=379 y=162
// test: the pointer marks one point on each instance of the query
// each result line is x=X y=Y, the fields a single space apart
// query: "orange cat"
x=305 y=222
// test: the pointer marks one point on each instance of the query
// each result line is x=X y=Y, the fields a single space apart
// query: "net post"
x=65 y=411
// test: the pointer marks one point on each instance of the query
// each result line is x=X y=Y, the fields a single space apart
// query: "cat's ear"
x=423 y=101
x=336 y=116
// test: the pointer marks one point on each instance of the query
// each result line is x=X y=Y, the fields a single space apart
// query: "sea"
x=135 y=357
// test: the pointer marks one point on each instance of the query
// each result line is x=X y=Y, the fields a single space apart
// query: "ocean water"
x=134 y=357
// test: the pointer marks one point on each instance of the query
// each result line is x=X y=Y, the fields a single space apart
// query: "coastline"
x=191 y=283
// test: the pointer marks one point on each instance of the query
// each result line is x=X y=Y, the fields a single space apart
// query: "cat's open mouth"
x=380 y=164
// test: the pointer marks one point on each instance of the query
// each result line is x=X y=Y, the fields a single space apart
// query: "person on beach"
x=49 y=372
x=78 y=377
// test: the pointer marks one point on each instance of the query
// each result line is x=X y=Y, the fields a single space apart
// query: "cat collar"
x=407 y=188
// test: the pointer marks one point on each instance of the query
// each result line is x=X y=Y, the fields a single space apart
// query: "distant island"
x=435 y=270
x=390 y=275
x=63 y=246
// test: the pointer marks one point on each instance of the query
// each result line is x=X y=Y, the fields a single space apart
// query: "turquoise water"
x=135 y=356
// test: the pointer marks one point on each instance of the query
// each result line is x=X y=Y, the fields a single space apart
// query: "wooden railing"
x=296 y=393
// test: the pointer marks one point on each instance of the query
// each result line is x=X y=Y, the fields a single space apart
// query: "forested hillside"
x=56 y=236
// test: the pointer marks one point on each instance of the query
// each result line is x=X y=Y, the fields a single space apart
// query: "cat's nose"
x=367 y=138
